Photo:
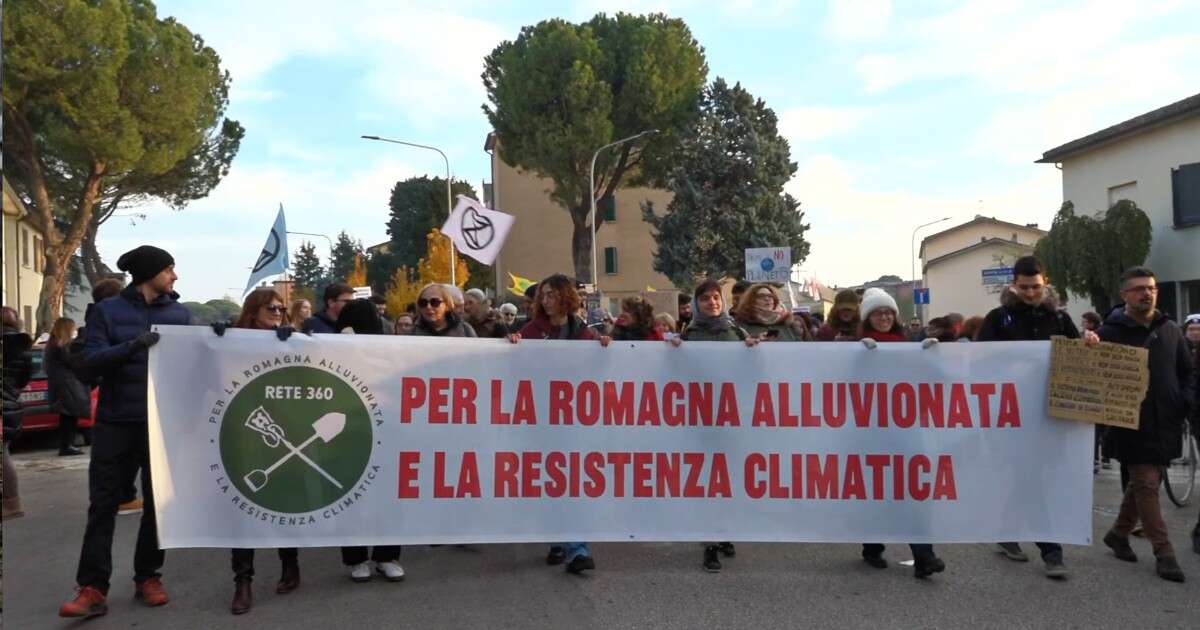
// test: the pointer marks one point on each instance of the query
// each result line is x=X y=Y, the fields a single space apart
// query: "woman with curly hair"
x=761 y=314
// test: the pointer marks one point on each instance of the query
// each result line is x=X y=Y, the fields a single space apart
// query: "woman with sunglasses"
x=436 y=316
x=262 y=310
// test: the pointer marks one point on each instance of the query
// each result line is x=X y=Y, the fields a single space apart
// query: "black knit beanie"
x=144 y=262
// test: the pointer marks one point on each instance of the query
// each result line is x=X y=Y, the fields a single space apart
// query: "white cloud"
x=859 y=234
x=858 y=19
x=799 y=124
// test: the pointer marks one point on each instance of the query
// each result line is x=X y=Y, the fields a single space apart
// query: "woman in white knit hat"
x=881 y=323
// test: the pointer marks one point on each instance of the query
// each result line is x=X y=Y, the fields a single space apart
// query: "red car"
x=38 y=415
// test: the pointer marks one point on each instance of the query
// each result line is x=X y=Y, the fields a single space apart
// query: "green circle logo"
x=295 y=440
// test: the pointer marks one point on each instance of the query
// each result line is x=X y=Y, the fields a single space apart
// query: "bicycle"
x=1179 y=489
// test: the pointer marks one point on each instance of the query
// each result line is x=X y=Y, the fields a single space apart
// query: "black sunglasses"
x=275 y=308
x=434 y=302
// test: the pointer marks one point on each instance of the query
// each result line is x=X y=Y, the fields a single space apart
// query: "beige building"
x=967 y=266
x=1154 y=161
x=540 y=242
x=24 y=260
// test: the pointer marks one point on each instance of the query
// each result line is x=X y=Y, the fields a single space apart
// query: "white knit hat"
x=874 y=299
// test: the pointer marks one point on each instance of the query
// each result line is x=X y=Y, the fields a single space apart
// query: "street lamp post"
x=449 y=203
x=321 y=235
x=914 y=260
x=592 y=194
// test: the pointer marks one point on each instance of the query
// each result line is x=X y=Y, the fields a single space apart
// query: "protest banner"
x=1104 y=384
x=351 y=440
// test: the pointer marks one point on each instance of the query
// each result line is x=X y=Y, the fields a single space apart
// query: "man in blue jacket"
x=116 y=348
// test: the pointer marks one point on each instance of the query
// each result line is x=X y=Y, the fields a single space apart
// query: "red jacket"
x=884 y=336
x=541 y=328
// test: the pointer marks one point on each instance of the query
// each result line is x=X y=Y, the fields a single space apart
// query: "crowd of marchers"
x=110 y=351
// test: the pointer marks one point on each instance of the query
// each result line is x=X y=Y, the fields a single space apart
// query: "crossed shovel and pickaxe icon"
x=325 y=428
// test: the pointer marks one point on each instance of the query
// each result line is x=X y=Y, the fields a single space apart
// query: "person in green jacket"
x=711 y=322
x=761 y=314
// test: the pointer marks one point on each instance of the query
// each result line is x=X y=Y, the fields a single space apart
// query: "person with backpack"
x=1029 y=311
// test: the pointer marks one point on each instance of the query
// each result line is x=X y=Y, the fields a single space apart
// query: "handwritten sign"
x=1104 y=384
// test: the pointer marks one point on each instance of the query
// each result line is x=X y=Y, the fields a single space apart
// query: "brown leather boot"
x=242 y=597
x=289 y=579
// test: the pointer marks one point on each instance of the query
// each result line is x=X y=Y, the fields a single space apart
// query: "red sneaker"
x=88 y=602
x=151 y=592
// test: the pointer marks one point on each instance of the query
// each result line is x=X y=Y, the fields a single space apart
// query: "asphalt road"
x=636 y=585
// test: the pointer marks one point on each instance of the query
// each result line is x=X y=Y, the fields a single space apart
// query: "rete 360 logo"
x=296 y=441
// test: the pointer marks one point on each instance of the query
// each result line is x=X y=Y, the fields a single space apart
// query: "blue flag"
x=273 y=259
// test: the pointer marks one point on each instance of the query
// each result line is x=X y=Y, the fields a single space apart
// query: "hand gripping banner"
x=351 y=440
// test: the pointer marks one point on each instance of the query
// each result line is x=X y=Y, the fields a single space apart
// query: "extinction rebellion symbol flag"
x=273 y=259
x=477 y=231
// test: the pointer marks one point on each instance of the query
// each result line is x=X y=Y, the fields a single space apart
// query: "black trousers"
x=380 y=553
x=243 y=561
x=67 y=425
x=919 y=550
x=118 y=452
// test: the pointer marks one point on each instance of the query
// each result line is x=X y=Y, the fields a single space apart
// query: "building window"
x=39 y=262
x=1127 y=190
x=25 y=247
x=608 y=209
x=610 y=260
x=1185 y=188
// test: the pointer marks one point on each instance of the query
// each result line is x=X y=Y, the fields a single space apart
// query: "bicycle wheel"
x=1180 y=477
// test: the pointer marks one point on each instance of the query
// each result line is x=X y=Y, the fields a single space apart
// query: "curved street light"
x=592 y=194
x=914 y=259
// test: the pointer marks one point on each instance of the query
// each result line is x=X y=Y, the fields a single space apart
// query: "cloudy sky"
x=897 y=113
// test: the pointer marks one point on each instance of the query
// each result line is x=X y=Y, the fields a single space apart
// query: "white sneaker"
x=391 y=570
x=361 y=572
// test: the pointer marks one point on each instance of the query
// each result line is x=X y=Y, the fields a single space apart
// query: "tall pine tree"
x=306 y=268
x=728 y=192
x=345 y=251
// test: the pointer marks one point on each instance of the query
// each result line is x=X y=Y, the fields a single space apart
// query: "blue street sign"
x=921 y=296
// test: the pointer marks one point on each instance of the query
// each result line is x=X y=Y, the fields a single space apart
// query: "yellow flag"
x=519 y=284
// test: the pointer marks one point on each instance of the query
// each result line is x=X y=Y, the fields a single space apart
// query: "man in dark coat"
x=1028 y=311
x=336 y=296
x=119 y=337
x=1147 y=450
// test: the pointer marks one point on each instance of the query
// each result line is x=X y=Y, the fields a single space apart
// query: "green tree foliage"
x=306 y=268
x=97 y=94
x=728 y=192
x=418 y=205
x=202 y=313
x=1087 y=254
x=346 y=251
x=192 y=178
x=561 y=91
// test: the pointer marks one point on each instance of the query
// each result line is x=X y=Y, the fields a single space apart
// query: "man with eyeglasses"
x=1147 y=450
x=336 y=296
x=1028 y=311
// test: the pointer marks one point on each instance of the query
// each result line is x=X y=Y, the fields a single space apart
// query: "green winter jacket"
x=783 y=328
x=695 y=333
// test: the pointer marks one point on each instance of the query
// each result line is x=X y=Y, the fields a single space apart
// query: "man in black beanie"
x=116 y=348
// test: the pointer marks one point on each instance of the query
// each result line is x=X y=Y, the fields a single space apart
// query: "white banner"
x=769 y=264
x=351 y=440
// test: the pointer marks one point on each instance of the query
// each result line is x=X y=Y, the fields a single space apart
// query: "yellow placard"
x=1104 y=384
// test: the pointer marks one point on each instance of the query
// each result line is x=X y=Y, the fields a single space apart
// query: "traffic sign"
x=921 y=296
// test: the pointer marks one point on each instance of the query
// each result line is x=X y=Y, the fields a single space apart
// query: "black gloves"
x=219 y=328
x=283 y=332
x=146 y=339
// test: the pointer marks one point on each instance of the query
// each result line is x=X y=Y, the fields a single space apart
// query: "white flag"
x=273 y=259
x=477 y=231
